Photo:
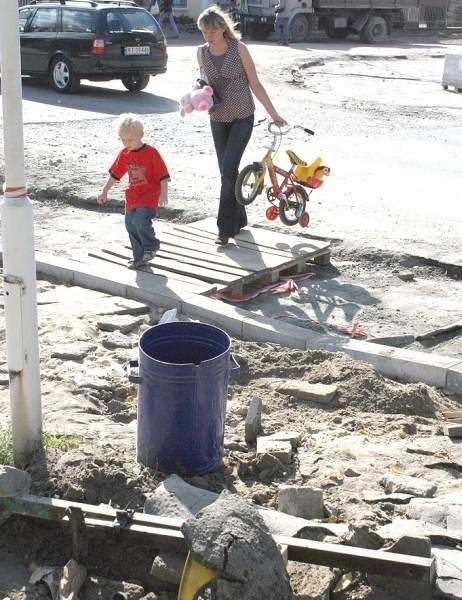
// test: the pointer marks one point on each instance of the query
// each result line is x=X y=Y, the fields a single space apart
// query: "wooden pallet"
x=255 y=256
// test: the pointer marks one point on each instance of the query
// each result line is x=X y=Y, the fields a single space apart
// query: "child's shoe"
x=135 y=264
x=148 y=256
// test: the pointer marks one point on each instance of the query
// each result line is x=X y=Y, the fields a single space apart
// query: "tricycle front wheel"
x=249 y=184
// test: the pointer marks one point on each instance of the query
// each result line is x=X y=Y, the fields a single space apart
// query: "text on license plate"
x=136 y=50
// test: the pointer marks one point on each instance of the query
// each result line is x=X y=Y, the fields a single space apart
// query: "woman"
x=225 y=63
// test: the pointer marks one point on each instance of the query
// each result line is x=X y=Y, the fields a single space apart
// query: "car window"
x=24 y=14
x=44 y=20
x=77 y=21
x=126 y=19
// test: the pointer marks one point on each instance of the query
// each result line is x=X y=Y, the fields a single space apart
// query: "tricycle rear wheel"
x=293 y=206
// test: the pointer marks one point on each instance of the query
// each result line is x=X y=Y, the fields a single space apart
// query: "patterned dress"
x=226 y=74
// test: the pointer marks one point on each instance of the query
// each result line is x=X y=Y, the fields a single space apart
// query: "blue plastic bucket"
x=184 y=370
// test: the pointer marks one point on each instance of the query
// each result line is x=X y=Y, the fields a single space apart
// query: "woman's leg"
x=230 y=141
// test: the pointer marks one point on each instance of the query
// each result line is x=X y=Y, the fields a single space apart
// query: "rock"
x=73 y=351
x=413 y=545
x=311 y=582
x=232 y=444
x=280 y=449
x=400 y=527
x=301 y=501
x=406 y=276
x=307 y=463
x=349 y=472
x=123 y=323
x=253 y=420
x=117 y=339
x=404 y=484
x=318 y=392
x=100 y=588
x=374 y=498
x=14 y=482
x=435 y=510
x=448 y=572
x=231 y=538
x=168 y=566
x=285 y=436
x=362 y=536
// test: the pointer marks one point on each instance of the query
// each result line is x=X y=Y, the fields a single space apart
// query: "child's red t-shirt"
x=146 y=169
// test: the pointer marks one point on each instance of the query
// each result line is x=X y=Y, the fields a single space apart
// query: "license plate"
x=136 y=50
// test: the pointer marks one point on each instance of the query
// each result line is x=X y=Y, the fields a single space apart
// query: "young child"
x=147 y=188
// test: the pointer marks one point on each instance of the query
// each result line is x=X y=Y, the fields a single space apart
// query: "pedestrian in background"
x=166 y=13
x=225 y=63
x=281 y=24
x=147 y=188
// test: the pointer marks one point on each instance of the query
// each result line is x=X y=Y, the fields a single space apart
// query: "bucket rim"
x=193 y=323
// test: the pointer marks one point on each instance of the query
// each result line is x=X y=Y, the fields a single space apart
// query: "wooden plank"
x=202 y=260
x=168 y=529
x=172 y=266
x=359 y=559
x=216 y=265
x=452 y=414
x=282 y=243
x=250 y=258
x=452 y=430
x=151 y=280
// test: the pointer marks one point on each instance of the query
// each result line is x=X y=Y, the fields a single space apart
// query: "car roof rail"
x=91 y=2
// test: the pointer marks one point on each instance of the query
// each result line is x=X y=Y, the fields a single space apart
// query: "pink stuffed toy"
x=199 y=99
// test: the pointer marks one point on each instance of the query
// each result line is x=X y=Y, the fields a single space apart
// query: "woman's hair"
x=214 y=18
x=129 y=123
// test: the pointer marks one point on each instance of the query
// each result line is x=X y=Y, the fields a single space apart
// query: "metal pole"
x=20 y=285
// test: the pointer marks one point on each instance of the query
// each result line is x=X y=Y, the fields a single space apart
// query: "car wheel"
x=136 y=83
x=62 y=76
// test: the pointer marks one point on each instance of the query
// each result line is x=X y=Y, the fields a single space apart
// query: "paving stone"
x=123 y=323
x=286 y=436
x=318 y=392
x=396 y=498
x=253 y=420
x=280 y=449
x=301 y=501
x=116 y=339
x=73 y=351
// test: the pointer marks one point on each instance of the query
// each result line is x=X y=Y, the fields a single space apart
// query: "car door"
x=38 y=40
x=76 y=36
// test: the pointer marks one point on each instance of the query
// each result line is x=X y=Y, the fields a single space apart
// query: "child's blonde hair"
x=214 y=18
x=129 y=123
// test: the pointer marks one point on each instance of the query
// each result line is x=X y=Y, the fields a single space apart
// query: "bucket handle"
x=131 y=368
x=234 y=369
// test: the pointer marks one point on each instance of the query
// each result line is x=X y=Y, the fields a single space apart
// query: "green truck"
x=372 y=20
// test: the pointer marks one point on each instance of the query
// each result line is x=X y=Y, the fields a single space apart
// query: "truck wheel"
x=374 y=31
x=258 y=32
x=300 y=29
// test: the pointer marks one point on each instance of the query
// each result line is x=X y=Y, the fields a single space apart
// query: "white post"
x=20 y=286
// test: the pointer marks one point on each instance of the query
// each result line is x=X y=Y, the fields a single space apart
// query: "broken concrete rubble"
x=231 y=538
x=14 y=482
x=404 y=484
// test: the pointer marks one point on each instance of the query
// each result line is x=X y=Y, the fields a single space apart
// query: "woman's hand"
x=278 y=120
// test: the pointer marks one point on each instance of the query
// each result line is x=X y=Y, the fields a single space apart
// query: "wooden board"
x=283 y=244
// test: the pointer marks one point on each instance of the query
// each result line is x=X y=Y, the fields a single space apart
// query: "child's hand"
x=102 y=198
x=163 y=201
